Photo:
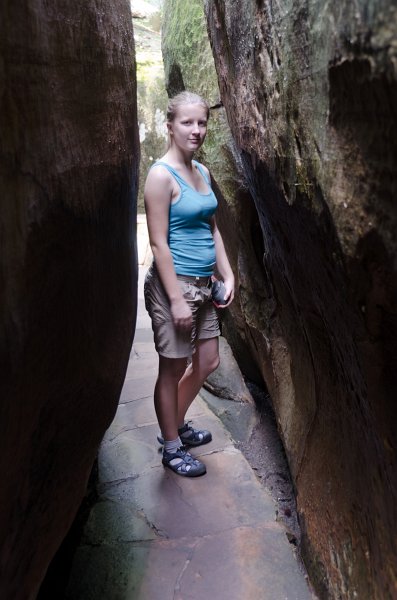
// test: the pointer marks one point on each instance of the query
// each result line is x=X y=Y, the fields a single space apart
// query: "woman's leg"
x=175 y=456
x=204 y=361
x=166 y=395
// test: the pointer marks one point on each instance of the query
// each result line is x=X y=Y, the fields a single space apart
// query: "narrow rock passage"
x=153 y=535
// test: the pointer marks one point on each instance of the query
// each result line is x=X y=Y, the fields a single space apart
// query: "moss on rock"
x=152 y=99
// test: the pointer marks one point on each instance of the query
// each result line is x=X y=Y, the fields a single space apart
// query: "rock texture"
x=310 y=95
x=310 y=92
x=68 y=172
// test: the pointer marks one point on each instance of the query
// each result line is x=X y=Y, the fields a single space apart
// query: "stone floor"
x=153 y=535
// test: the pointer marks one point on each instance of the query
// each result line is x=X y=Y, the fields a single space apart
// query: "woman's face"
x=189 y=127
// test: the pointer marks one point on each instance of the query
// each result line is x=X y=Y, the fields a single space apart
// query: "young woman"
x=187 y=246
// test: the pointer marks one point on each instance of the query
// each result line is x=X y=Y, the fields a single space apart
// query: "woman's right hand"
x=181 y=314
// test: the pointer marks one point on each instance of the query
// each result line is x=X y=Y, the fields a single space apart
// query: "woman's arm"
x=158 y=194
x=222 y=264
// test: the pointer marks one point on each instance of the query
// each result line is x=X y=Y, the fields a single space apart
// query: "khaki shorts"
x=169 y=341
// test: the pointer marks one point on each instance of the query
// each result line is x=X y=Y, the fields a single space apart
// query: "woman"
x=186 y=246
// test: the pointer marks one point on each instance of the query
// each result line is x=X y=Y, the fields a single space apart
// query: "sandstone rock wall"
x=309 y=221
x=68 y=173
x=310 y=93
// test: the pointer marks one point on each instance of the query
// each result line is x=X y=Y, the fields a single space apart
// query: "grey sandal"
x=191 y=436
x=183 y=463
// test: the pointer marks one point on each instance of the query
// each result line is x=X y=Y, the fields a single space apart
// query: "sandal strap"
x=190 y=436
x=195 y=434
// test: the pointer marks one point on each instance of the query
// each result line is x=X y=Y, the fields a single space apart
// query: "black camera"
x=218 y=292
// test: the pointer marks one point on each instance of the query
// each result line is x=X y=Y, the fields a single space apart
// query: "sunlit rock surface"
x=68 y=156
x=152 y=97
x=310 y=93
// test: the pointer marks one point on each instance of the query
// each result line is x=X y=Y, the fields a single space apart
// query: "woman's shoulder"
x=159 y=171
x=159 y=182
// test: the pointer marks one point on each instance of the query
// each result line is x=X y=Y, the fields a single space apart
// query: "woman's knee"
x=206 y=362
x=213 y=364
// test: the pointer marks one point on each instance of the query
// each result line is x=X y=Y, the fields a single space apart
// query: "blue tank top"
x=190 y=236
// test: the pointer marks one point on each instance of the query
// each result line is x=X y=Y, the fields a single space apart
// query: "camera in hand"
x=218 y=292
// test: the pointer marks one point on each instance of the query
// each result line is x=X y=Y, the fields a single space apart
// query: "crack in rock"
x=125 y=429
x=159 y=532
x=177 y=587
x=105 y=486
x=215 y=451
x=135 y=399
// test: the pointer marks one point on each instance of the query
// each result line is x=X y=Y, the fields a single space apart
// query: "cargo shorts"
x=169 y=341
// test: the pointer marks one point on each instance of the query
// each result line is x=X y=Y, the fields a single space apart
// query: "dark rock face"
x=68 y=160
x=311 y=98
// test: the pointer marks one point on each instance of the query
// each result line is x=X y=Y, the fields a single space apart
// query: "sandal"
x=183 y=463
x=191 y=436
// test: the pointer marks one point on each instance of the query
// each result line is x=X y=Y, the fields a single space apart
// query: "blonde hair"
x=185 y=98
